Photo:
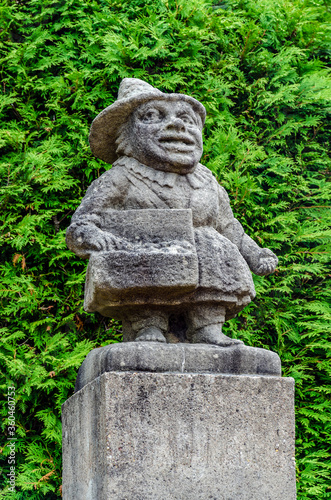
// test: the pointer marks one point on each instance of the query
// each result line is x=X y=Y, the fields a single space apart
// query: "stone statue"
x=157 y=227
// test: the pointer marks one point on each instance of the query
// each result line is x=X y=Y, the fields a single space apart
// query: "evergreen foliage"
x=261 y=69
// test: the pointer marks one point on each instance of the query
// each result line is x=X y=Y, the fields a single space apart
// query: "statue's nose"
x=175 y=123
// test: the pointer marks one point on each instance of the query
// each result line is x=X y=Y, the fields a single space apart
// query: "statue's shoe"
x=150 y=334
x=212 y=334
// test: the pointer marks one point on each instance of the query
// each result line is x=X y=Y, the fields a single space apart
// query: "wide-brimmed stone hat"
x=132 y=92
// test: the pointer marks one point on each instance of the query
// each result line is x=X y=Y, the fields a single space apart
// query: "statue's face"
x=166 y=135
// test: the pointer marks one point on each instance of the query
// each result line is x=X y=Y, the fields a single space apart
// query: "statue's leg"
x=205 y=323
x=145 y=325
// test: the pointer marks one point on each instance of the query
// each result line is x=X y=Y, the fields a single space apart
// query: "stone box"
x=156 y=256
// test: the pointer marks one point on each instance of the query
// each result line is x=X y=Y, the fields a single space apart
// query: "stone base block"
x=180 y=436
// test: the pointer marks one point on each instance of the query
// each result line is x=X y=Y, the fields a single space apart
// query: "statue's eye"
x=188 y=119
x=151 y=116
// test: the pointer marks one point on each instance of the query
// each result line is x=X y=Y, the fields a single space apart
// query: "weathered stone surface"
x=183 y=358
x=154 y=141
x=167 y=436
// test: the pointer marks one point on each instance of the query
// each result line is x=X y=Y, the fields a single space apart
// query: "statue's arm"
x=85 y=233
x=261 y=261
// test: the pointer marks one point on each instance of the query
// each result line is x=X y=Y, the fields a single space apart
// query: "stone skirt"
x=224 y=275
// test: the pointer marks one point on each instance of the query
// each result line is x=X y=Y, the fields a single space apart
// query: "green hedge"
x=261 y=69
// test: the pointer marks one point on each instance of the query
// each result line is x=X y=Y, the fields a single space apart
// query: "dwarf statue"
x=157 y=227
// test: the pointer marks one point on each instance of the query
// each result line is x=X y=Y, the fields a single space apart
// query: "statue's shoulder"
x=210 y=177
x=207 y=174
x=115 y=173
x=115 y=176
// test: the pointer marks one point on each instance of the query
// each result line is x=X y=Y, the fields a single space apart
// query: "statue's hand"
x=87 y=239
x=102 y=241
x=266 y=263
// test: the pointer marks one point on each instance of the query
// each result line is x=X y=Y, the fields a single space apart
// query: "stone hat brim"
x=104 y=128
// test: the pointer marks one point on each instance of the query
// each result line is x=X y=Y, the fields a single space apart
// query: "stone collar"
x=196 y=179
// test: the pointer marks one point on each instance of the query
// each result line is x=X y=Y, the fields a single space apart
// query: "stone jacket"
x=224 y=275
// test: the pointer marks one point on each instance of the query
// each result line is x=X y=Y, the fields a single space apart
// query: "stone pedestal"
x=133 y=435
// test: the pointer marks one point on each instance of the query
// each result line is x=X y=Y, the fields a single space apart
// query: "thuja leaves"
x=262 y=71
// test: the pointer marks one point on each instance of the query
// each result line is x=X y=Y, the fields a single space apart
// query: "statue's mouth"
x=176 y=141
